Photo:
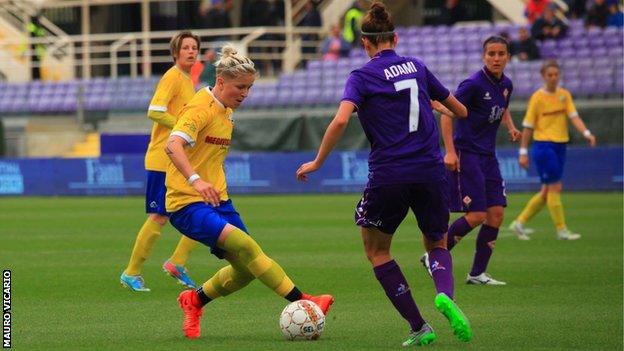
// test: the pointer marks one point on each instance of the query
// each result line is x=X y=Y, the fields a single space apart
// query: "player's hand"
x=591 y=139
x=207 y=191
x=304 y=169
x=514 y=134
x=523 y=160
x=451 y=162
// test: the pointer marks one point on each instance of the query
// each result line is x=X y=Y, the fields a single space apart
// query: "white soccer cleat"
x=566 y=234
x=483 y=279
x=521 y=232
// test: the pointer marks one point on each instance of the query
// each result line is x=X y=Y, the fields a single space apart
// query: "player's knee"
x=495 y=218
x=157 y=218
x=375 y=254
x=248 y=249
x=476 y=218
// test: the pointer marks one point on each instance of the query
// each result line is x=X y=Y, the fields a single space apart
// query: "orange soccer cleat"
x=322 y=301
x=192 y=308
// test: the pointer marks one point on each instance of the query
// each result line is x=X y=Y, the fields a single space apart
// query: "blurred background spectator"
x=524 y=49
x=335 y=47
x=616 y=16
x=352 y=22
x=204 y=72
x=312 y=18
x=535 y=9
x=597 y=14
x=215 y=14
x=548 y=26
x=576 y=8
x=452 y=12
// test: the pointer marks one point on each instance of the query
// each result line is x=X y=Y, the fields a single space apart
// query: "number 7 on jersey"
x=412 y=85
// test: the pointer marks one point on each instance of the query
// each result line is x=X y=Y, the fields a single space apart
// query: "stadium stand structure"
x=592 y=63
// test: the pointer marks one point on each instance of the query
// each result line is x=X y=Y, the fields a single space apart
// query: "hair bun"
x=378 y=10
x=228 y=51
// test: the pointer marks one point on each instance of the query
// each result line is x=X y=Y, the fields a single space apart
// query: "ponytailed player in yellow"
x=174 y=90
x=197 y=195
x=546 y=120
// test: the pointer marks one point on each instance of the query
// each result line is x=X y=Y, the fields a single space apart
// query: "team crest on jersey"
x=467 y=200
x=505 y=93
x=562 y=98
x=487 y=96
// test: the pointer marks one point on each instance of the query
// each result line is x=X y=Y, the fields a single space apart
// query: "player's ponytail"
x=231 y=64
x=377 y=25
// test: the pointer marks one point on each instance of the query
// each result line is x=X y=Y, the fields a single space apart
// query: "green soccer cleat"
x=424 y=336
x=459 y=322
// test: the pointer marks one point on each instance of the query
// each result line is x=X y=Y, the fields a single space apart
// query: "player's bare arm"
x=175 y=151
x=332 y=135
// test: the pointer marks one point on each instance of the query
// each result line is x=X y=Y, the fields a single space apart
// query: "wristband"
x=523 y=151
x=587 y=133
x=193 y=178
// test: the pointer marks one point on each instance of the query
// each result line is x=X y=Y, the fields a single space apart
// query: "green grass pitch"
x=66 y=255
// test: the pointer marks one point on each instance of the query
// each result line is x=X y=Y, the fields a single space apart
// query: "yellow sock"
x=251 y=256
x=226 y=281
x=181 y=253
x=556 y=209
x=532 y=207
x=149 y=233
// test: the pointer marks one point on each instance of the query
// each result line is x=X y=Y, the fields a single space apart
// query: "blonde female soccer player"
x=546 y=120
x=198 y=200
x=174 y=90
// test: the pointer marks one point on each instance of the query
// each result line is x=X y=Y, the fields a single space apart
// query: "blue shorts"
x=155 y=192
x=204 y=223
x=385 y=206
x=549 y=160
x=478 y=185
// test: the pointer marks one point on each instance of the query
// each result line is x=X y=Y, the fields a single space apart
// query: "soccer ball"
x=302 y=320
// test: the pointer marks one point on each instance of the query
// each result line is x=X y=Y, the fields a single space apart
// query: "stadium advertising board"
x=249 y=173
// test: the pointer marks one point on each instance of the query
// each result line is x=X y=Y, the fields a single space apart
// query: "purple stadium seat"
x=316 y=64
x=311 y=97
x=616 y=52
x=565 y=43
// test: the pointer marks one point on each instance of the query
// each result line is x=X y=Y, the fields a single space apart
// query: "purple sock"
x=441 y=266
x=393 y=282
x=485 y=245
x=460 y=228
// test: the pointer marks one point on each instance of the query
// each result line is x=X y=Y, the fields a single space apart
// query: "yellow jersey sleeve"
x=530 y=118
x=167 y=88
x=570 y=108
x=190 y=123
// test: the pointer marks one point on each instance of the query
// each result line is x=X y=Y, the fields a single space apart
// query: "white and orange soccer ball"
x=302 y=320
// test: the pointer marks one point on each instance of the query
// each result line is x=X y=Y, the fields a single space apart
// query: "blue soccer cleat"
x=133 y=282
x=179 y=273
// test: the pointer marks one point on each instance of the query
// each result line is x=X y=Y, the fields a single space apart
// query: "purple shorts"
x=479 y=184
x=385 y=206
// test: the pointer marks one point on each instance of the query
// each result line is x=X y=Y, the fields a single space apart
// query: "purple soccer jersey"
x=486 y=99
x=392 y=95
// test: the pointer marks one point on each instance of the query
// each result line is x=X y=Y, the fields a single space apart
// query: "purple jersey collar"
x=385 y=53
x=491 y=77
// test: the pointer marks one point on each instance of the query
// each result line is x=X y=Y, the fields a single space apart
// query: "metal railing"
x=272 y=48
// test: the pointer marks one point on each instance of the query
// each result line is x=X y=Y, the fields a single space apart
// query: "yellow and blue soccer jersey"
x=548 y=115
x=174 y=90
x=207 y=126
